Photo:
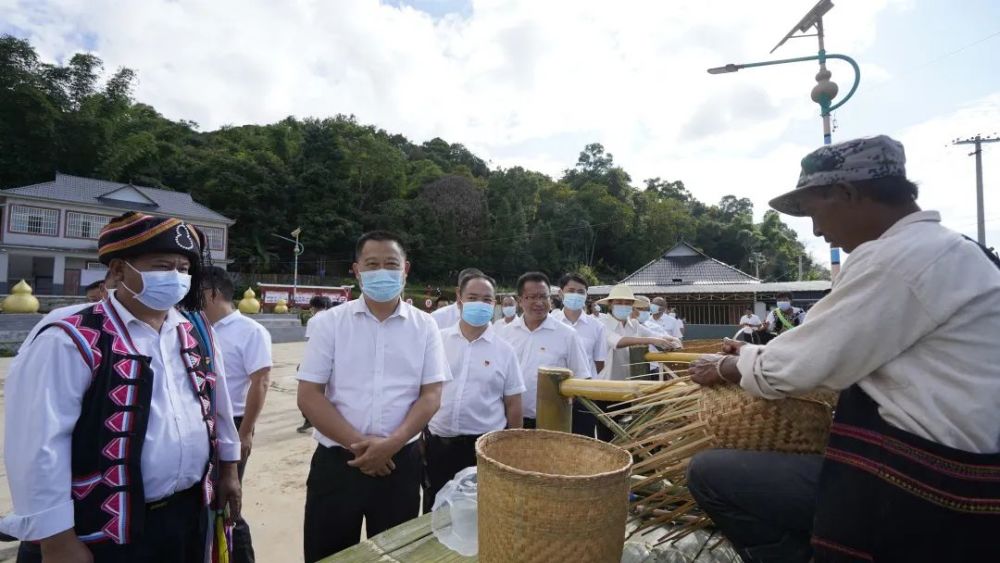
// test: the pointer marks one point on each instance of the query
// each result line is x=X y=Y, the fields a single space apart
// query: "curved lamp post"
x=298 y=249
x=822 y=93
x=825 y=89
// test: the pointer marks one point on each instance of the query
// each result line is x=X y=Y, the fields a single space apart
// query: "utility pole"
x=757 y=258
x=800 y=267
x=978 y=141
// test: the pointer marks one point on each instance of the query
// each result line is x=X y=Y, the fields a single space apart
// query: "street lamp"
x=825 y=89
x=298 y=249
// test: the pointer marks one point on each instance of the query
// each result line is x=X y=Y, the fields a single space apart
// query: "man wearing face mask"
x=642 y=313
x=541 y=341
x=508 y=308
x=485 y=394
x=447 y=315
x=119 y=428
x=573 y=289
x=370 y=382
x=662 y=316
x=623 y=331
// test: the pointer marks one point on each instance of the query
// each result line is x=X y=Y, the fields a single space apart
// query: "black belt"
x=184 y=495
x=454 y=440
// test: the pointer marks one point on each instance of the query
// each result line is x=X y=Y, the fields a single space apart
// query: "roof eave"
x=225 y=220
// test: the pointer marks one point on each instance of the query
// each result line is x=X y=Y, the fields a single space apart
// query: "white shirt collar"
x=547 y=324
x=231 y=317
x=359 y=306
x=583 y=319
x=915 y=217
x=173 y=319
x=455 y=331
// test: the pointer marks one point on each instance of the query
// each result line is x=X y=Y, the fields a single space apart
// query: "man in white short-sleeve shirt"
x=623 y=331
x=573 y=288
x=485 y=394
x=541 y=341
x=246 y=349
x=370 y=382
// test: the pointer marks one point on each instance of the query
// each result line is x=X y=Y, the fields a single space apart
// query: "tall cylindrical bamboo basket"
x=550 y=496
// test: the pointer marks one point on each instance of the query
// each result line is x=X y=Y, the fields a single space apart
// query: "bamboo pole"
x=677 y=357
x=553 y=411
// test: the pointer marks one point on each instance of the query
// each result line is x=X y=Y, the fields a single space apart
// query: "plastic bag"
x=454 y=514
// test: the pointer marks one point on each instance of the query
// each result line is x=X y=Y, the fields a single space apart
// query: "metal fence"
x=728 y=313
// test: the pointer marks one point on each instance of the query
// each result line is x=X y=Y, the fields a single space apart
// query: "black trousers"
x=242 y=548
x=585 y=423
x=529 y=423
x=339 y=496
x=444 y=458
x=763 y=502
x=173 y=532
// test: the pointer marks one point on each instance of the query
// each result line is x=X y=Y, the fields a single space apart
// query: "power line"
x=937 y=59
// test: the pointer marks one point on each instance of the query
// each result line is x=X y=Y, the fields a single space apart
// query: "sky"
x=530 y=83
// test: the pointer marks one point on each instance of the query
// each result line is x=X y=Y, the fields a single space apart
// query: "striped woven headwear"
x=134 y=234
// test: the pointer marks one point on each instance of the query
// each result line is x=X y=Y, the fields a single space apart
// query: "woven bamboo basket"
x=551 y=496
x=793 y=425
x=670 y=424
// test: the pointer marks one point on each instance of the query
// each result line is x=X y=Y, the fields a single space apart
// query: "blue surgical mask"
x=784 y=304
x=673 y=315
x=654 y=309
x=477 y=313
x=161 y=290
x=574 y=301
x=382 y=285
x=644 y=316
x=621 y=312
x=509 y=311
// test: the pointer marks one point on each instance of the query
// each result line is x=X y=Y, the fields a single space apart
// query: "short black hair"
x=321 y=302
x=217 y=279
x=573 y=277
x=889 y=190
x=381 y=236
x=783 y=294
x=194 y=301
x=466 y=273
x=94 y=285
x=531 y=277
x=476 y=276
x=440 y=299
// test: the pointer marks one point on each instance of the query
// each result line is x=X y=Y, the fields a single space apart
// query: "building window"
x=216 y=237
x=34 y=220
x=85 y=225
x=96 y=266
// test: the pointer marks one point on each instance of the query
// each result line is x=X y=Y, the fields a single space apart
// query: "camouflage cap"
x=867 y=158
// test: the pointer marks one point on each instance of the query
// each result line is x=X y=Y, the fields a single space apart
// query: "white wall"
x=85 y=245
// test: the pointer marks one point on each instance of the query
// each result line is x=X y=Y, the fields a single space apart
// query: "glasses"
x=530 y=298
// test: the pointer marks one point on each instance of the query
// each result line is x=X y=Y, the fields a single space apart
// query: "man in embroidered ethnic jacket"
x=119 y=429
x=911 y=470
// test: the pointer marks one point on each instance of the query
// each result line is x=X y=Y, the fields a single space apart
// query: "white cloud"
x=519 y=82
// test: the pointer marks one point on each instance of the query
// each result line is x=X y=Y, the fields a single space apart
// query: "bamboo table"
x=411 y=541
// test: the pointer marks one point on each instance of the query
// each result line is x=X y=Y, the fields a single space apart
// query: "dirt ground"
x=275 y=481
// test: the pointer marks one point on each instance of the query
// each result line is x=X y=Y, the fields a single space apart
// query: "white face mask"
x=161 y=290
